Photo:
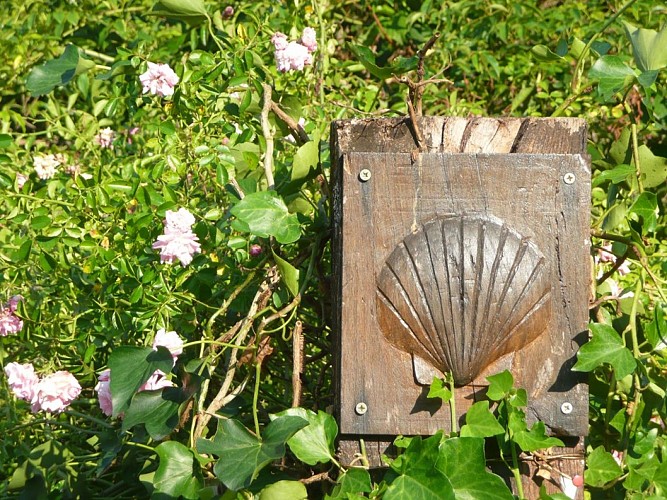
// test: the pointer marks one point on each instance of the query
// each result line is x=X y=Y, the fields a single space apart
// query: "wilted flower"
x=606 y=255
x=156 y=382
x=10 y=322
x=21 y=179
x=46 y=166
x=170 y=340
x=55 y=392
x=309 y=39
x=131 y=132
x=178 y=240
x=21 y=379
x=618 y=456
x=105 y=138
x=103 y=389
x=159 y=79
x=279 y=40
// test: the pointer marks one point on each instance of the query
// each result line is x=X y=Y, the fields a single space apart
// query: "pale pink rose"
x=45 y=166
x=309 y=39
x=105 y=138
x=606 y=255
x=180 y=221
x=10 y=322
x=293 y=57
x=177 y=246
x=618 y=456
x=171 y=341
x=568 y=487
x=279 y=40
x=103 y=389
x=21 y=179
x=159 y=79
x=55 y=392
x=22 y=380
x=156 y=382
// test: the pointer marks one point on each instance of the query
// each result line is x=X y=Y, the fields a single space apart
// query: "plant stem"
x=515 y=471
x=268 y=136
x=452 y=404
x=255 y=397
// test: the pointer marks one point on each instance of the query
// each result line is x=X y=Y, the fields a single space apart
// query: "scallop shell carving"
x=461 y=292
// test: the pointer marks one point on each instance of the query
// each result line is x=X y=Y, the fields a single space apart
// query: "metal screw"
x=364 y=175
x=361 y=408
x=569 y=178
x=566 y=408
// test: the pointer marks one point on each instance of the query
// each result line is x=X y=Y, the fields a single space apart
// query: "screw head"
x=569 y=178
x=361 y=408
x=364 y=175
x=566 y=408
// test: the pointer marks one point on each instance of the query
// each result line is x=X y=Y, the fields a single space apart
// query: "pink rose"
x=55 y=392
x=103 y=389
x=10 y=322
x=177 y=246
x=21 y=379
x=171 y=341
x=293 y=57
x=279 y=40
x=309 y=39
x=159 y=79
x=180 y=221
x=156 y=382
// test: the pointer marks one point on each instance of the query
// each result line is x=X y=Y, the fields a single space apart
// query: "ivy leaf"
x=646 y=207
x=601 y=467
x=178 y=473
x=314 y=443
x=500 y=385
x=438 y=389
x=284 y=490
x=367 y=58
x=536 y=438
x=606 y=346
x=266 y=214
x=648 y=47
x=612 y=74
x=616 y=175
x=134 y=365
x=462 y=460
x=353 y=481
x=480 y=422
x=43 y=79
x=545 y=54
x=242 y=454
x=653 y=168
x=305 y=158
x=192 y=11
x=418 y=477
x=157 y=410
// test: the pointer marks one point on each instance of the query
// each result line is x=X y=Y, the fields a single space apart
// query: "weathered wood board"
x=470 y=256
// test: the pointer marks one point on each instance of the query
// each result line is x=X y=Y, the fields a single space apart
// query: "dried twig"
x=268 y=136
x=297 y=130
x=297 y=363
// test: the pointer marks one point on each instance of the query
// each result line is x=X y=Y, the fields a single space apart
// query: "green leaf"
x=353 y=481
x=242 y=454
x=134 y=365
x=545 y=54
x=305 y=158
x=284 y=490
x=314 y=443
x=266 y=215
x=418 y=477
x=646 y=207
x=612 y=74
x=536 y=438
x=500 y=385
x=178 y=474
x=367 y=58
x=187 y=10
x=480 y=422
x=653 y=168
x=23 y=252
x=5 y=141
x=601 y=468
x=438 y=389
x=649 y=47
x=462 y=460
x=40 y=222
x=289 y=273
x=606 y=346
x=157 y=410
x=616 y=175
x=43 y=79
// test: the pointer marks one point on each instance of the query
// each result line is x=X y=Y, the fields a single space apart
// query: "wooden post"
x=470 y=256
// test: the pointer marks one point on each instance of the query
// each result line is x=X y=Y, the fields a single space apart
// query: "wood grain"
x=415 y=216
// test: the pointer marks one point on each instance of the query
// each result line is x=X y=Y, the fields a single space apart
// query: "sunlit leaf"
x=606 y=346
x=178 y=473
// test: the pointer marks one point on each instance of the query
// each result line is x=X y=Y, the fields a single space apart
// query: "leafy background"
x=78 y=248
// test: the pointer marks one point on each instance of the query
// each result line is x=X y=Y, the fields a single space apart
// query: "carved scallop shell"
x=461 y=292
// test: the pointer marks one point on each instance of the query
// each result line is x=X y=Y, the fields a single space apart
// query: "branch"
x=297 y=363
x=268 y=136
x=297 y=130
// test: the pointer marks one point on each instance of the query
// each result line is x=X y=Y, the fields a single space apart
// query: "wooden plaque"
x=472 y=256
